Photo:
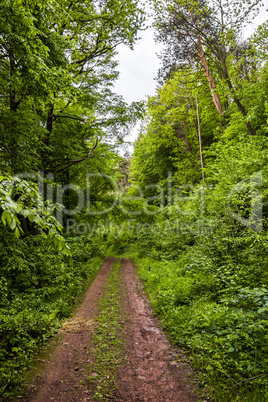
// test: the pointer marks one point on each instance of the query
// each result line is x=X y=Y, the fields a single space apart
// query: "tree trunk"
x=236 y=100
x=212 y=86
x=46 y=138
x=23 y=223
x=244 y=113
x=49 y=124
x=226 y=75
x=13 y=104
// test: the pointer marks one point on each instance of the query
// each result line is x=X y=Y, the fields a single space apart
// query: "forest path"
x=152 y=369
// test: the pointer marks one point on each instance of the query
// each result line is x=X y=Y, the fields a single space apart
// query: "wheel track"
x=153 y=372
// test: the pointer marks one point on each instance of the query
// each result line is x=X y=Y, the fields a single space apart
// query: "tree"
x=259 y=41
x=57 y=68
x=204 y=34
x=168 y=146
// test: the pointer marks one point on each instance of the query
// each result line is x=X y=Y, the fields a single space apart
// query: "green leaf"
x=6 y=217
x=37 y=219
x=17 y=233
x=13 y=224
x=31 y=216
x=26 y=213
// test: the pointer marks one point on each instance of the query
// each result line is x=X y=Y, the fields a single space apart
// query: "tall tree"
x=202 y=33
x=57 y=68
x=169 y=146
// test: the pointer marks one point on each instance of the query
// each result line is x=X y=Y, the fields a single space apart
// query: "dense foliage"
x=197 y=231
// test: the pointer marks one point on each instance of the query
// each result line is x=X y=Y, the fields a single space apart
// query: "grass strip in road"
x=107 y=351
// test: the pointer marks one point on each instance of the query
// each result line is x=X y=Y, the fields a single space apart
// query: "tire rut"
x=62 y=376
x=153 y=371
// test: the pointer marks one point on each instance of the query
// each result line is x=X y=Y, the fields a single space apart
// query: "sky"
x=138 y=68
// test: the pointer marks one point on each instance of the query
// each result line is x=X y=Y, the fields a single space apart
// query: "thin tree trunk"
x=244 y=113
x=200 y=140
x=13 y=107
x=46 y=138
x=13 y=104
x=236 y=100
x=49 y=124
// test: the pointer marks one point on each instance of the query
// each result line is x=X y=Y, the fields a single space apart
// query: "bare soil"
x=156 y=371
x=62 y=378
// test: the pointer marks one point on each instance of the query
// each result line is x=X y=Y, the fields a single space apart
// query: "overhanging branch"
x=71 y=163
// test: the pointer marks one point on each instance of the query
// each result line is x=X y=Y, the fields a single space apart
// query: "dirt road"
x=152 y=370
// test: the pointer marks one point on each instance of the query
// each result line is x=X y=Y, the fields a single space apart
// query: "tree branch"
x=71 y=163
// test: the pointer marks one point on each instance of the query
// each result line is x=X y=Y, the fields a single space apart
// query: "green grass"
x=107 y=351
